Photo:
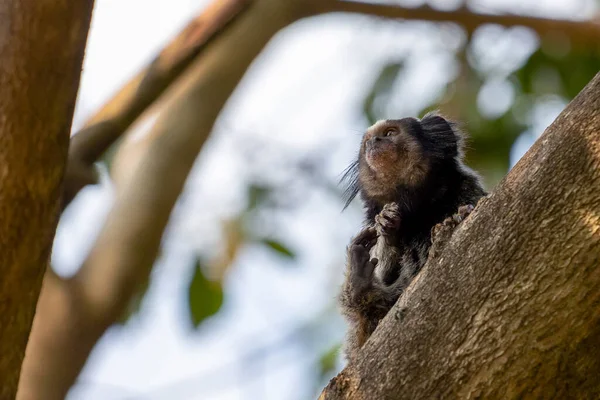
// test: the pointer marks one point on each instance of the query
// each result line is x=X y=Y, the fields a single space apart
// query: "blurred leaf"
x=279 y=248
x=328 y=359
x=575 y=70
x=381 y=89
x=205 y=297
x=490 y=142
x=257 y=195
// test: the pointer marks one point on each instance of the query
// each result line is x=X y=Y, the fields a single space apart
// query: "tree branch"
x=510 y=309
x=112 y=120
x=42 y=45
x=104 y=128
x=74 y=314
x=584 y=32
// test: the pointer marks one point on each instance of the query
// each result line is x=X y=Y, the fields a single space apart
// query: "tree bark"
x=510 y=309
x=42 y=45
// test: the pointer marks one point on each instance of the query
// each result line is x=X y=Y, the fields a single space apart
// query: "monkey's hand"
x=387 y=221
x=441 y=232
x=361 y=300
x=360 y=265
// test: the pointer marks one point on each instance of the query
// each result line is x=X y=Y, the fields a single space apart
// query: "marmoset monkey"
x=411 y=178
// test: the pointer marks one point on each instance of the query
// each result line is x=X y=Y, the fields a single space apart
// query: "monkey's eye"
x=390 y=132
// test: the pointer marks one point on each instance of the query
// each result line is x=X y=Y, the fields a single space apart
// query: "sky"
x=303 y=94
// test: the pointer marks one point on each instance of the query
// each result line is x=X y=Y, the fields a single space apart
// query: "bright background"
x=293 y=125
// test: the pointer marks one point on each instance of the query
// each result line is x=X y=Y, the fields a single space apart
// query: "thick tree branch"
x=112 y=120
x=511 y=308
x=585 y=32
x=41 y=47
x=104 y=128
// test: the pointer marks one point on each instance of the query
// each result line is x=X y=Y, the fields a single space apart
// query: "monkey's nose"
x=373 y=141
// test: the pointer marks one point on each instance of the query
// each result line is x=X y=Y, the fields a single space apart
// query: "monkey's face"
x=403 y=154
x=391 y=155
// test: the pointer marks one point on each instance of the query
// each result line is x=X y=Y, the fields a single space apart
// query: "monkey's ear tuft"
x=350 y=180
x=444 y=136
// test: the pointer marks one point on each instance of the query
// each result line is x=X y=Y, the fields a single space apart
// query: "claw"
x=448 y=225
x=465 y=210
x=388 y=220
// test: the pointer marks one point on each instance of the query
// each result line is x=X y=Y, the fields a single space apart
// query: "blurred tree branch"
x=107 y=125
x=73 y=314
x=509 y=309
x=587 y=32
x=117 y=115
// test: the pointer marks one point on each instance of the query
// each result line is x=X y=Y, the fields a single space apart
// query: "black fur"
x=394 y=245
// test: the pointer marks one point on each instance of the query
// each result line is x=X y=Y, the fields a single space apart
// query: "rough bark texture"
x=510 y=309
x=41 y=48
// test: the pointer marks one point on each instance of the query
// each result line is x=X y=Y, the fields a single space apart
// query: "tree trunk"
x=510 y=309
x=42 y=44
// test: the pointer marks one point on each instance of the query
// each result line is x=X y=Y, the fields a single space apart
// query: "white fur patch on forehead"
x=377 y=126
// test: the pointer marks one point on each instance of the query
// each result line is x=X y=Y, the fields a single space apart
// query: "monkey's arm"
x=362 y=300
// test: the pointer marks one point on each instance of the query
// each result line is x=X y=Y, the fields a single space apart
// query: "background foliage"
x=241 y=303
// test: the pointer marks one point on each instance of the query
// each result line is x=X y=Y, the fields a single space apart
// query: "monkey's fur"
x=411 y=178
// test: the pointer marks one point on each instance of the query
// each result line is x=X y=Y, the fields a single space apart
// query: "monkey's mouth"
x=380 y=154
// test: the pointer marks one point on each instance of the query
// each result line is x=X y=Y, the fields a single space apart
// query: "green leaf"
x=205 y=297
x=328 y=359
x=279 y=248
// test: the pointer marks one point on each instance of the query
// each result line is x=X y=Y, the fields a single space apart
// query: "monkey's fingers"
x=390 y=220
x=387 y=225
x=369 y=268
x=361 y=268
x=391 y=211
x=364 y=270
x=465 y=211
x=391 y=208
x=446 y=227
x=359 y=255
x=366 y=238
